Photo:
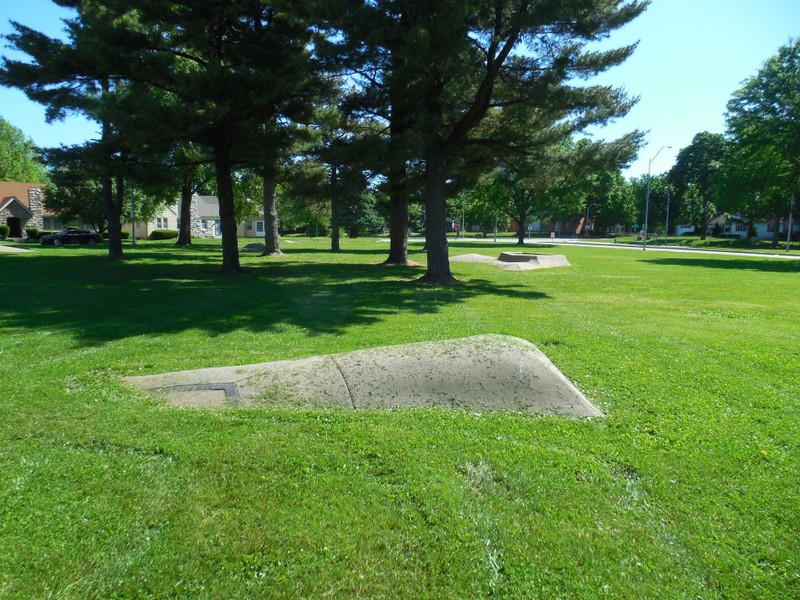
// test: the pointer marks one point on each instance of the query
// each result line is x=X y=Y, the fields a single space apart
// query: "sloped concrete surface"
x=517 y=261
x=481 y=373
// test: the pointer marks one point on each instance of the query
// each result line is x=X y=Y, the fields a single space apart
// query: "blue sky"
x=692 y=55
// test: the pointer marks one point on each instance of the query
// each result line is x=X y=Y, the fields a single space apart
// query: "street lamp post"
x=647 y=197
x=462 y=217
x=666 y=229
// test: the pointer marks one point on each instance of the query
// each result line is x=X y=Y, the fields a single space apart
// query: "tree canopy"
x=761 y=169
x=693 y=176
x=764 y=115
x=19 y=159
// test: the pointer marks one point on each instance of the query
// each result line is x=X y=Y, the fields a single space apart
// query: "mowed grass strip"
x=688 y=488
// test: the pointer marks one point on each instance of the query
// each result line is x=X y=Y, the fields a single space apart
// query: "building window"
x=203 y=224
x=51 y=224
x=741 y=227
x=162 y=223
x=259 y=226
x=770 y=227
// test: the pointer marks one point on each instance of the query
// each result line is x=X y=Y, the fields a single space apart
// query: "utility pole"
x=789 y=229
x=647 y=197
x=462 y=217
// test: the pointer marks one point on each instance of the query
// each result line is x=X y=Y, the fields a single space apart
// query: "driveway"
x=4 y=248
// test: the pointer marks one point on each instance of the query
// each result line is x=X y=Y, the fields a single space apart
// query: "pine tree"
x=74 y=76
x=461 y=60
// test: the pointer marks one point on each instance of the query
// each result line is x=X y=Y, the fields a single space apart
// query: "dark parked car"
x=72 y=236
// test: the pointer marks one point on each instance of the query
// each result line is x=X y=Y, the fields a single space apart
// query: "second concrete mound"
x=517 y=261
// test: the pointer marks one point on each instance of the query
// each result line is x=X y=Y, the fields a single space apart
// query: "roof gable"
x=19 y=190
x=6 y=202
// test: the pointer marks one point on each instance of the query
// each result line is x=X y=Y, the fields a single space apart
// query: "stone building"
x=21 y=206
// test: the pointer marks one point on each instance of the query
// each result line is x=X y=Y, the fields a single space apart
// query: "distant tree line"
x=752 y=171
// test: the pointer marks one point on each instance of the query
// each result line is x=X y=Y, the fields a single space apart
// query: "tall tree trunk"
x=398 y=127
x=398 y=218
x=185 y=229
x=520 y=230
x=704 y=220
x=436 y=217
x=111 y=207
x=113 y=210
x=776 y=235
x=272 y=246
x=227 y=210
x=335 y=226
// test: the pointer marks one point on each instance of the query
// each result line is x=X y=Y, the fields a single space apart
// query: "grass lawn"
x=688 y=489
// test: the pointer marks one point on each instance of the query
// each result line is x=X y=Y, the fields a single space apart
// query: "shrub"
x=44 y=232
x=32 y=232
x=163 y=234
x=4 y=229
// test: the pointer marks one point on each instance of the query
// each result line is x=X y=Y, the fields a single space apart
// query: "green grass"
x=688 y=489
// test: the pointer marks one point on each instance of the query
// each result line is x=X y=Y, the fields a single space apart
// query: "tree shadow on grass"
x=774 y=265
x=99 y=301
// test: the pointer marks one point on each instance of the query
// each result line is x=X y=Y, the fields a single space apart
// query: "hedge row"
x=163 y=234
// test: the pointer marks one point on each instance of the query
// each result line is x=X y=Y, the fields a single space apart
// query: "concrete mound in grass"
x=481 y=373
x=517 y=261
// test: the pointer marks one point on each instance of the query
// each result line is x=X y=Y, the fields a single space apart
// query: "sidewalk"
x=776 y=254
x=638 y=248
x=4 y=248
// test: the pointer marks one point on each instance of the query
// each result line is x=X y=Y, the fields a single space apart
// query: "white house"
x=205 y=220
x=764 y=230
